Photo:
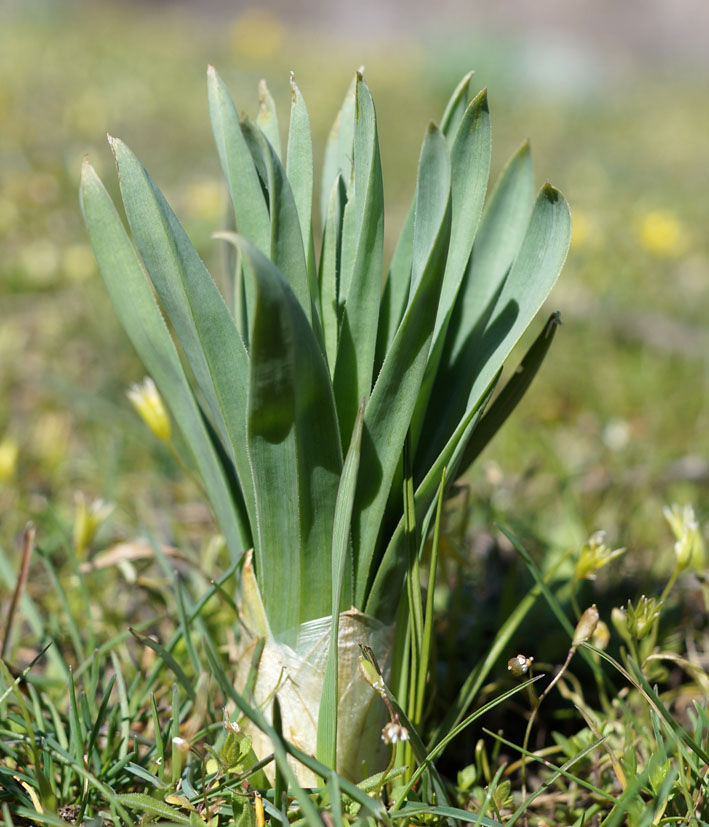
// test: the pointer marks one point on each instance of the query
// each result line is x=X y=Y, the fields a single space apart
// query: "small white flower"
x=394 y=732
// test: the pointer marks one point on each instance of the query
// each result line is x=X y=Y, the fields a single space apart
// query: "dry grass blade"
x=27 y=548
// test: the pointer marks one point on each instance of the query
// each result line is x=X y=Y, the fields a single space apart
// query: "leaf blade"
x=140 y=316
x=388 y=412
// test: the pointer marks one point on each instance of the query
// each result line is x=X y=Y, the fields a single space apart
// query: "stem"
x=534 y=715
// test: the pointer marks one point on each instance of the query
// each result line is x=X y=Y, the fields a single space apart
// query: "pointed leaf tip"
x=481 y=100
x=552 y=194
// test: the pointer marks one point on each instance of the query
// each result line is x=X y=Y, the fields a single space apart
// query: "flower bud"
x=642 y=616
x=520 y=665
x=586 y=626
x=370 y=674
x=149 y=405
x=601 y=635
x=619 y=619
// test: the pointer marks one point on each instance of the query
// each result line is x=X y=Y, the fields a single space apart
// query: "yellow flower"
x=9 y=450
x=594 y=555
x=87 y=521
x=662 y=234
x=689 y=548
x=148 y=402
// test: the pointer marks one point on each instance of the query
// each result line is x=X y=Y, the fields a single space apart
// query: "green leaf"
x=510 y=396
x=145 y=804
x=516 y=301
x=250 y=208
x=286 y=249
x=341 y=584
x=396 y=291
x=455 y=108
x=338 y=150
x=299 y=167
x=360 y=277
x=388 y=412
x=330 y=270
x=267 y=117
x=201 y=319
x=397 y=287
x=470 y=168
x=294 y=448
x=140 y=316
x=390 y=567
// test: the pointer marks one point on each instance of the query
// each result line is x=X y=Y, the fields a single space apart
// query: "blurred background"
x=615 y=100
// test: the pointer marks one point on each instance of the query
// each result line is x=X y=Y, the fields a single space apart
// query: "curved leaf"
x=140 y=316
x=196 y=309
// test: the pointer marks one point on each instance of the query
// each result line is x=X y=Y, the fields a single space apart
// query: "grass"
x=615 y=428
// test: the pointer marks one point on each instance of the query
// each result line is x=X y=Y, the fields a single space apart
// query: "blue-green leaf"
x=294 y=448
x=518 y=300
x=196 y=309
x=338 y=150
x=286 y=247
x=389 y=410
x=360 y=275
x=330 y=270
x=496 y=246
x=267 y=117
x=247 y=196
x=140 y=316
x=470 y=168
x=299 y=167
x=455 y=108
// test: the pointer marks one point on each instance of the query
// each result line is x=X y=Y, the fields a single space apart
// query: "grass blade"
x=169 y=661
